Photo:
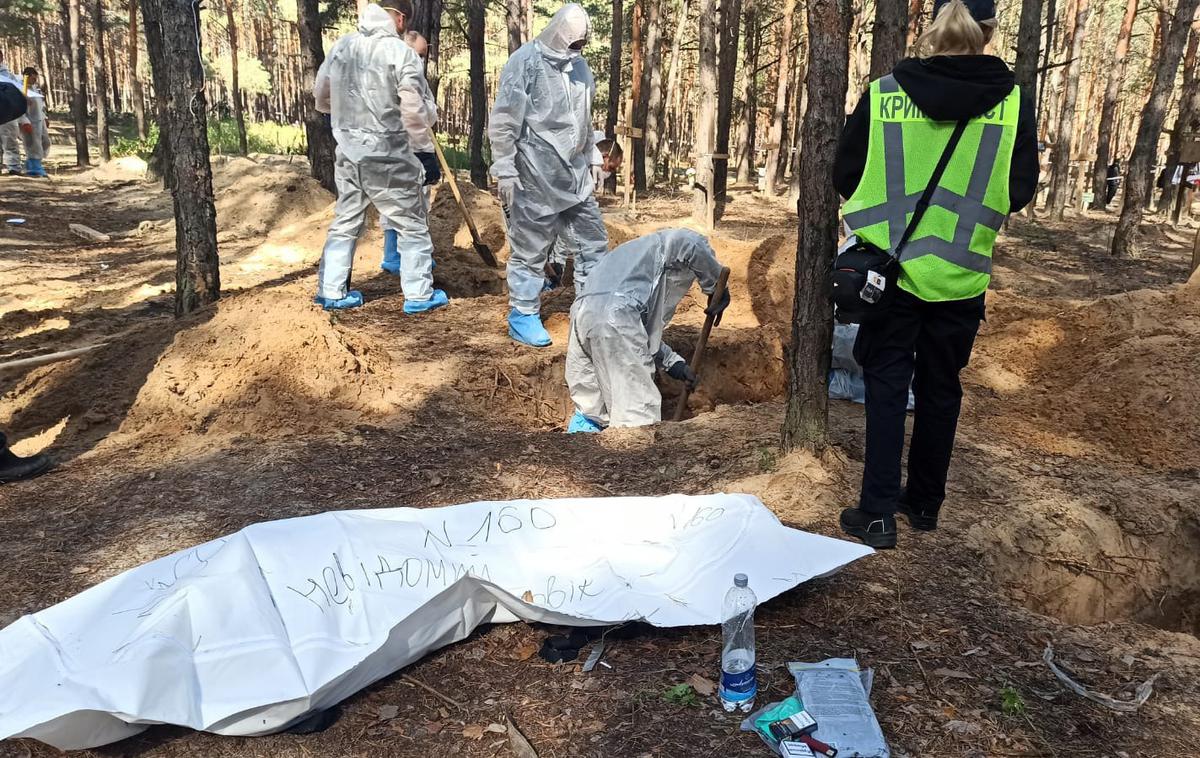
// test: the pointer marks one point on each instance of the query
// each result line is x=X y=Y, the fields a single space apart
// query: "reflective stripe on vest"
x=949 y=254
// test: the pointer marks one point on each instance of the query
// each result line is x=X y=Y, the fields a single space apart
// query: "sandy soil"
x=1074 y=511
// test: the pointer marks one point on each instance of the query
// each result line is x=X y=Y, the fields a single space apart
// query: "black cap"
x=981 y=10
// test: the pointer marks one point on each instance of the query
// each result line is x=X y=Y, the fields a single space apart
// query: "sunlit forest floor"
x=1074 y=502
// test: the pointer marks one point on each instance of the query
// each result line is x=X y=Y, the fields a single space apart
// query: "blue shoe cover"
x=34 y=167
x=421 y=306
x=391 y=252
x=527 y=328
x=353 y=299
x=581 y=423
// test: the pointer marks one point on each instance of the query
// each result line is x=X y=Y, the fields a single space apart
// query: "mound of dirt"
x=118 y=170
x=1119 y=372
x=263 y=361
x=254 y=198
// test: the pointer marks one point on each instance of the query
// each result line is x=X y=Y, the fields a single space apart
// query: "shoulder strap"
x=927 y=195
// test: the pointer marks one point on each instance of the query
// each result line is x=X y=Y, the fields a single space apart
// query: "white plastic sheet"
x=250 y=633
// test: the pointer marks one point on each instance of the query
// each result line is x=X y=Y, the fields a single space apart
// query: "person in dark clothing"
x=1112 y=181
x=885 y=158
x=14 y=468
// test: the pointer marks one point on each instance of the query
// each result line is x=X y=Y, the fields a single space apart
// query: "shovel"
x=484 y=251
x=698 y=353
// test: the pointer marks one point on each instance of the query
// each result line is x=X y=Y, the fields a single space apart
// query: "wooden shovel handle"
x=698 y=354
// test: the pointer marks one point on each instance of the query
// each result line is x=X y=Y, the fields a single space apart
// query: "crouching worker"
x=617 y=325
x=372 y=85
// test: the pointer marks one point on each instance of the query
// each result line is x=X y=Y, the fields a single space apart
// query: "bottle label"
x=740 y=686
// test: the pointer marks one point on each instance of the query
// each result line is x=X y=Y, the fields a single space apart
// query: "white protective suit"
x=617 y=324
x=37 y=141
x=372 y=85
x=10 y=132
x=541 y=133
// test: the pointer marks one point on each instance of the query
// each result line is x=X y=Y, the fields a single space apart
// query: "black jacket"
x=948 y=88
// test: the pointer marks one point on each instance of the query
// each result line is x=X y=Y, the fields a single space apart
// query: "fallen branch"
x=432 y=691
x=88 y=233
x=42 y=360
x=1144 y=690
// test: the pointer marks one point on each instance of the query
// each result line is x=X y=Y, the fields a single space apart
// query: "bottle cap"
x=740 y=580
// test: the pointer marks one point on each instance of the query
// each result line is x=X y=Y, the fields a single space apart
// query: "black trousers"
x=927 y=344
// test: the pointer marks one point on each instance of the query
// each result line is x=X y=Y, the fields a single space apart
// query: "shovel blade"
x=486 y=254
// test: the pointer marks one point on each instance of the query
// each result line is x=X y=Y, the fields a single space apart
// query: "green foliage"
x=261 y=137
x=264 y=137
x=252 y=77
x=17 y=16
x=1011 y=702
x=681 y=694
x=129 y=144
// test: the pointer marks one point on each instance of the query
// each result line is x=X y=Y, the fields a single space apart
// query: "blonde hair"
x=955 y=32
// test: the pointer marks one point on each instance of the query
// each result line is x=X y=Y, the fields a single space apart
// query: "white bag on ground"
x=250 y=633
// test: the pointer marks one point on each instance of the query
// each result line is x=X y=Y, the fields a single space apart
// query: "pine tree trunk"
x=114 y=81
x=1141 y=162
x=652 y=82
x=235 y=89
x=614 y=71
x=730 y=23
x=100 y=93
x=476 y=29
x=636 y=109
x=791 y=122
x=1189 y=122
x=172 y=45
x=39 y=41
x=78 y=56
x=1183 y=119
x=1029 y=42
x=514 y=17
x=783 y=73
x=319 y=137
x=703 y=196
x=807 y=421
x=1060 y=176
x=673 y=76
x=916 y=15
x=433 y=35
x=747 y=130
x=1051 y=32
x=1108 y=111
x=890 y=36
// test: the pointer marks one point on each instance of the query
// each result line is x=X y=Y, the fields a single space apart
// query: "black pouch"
x=865 y=276
x=864 y=283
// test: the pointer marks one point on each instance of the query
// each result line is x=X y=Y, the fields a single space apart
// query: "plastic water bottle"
x=739 y=683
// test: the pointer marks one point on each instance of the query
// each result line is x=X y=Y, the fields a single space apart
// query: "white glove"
x=598 y=175
x=506 y=188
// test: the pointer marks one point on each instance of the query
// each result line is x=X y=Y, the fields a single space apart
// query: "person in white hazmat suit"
x=617 y=325
x=420 y=133
x=10 y=131
x=541 y=134
x=37 y=134
x=369 y=81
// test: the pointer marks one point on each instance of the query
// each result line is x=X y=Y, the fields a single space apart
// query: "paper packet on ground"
x=253 y=632
x=836 y=693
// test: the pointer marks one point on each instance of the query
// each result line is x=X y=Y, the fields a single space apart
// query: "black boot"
x=918 y=518
x=14 y=468
x=876 y=529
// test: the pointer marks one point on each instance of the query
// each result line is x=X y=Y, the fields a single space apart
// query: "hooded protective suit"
x=541 y=134
x=617 y=324
x=373 y=87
